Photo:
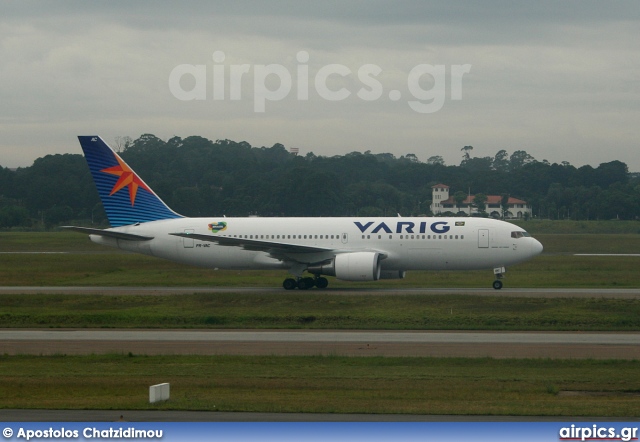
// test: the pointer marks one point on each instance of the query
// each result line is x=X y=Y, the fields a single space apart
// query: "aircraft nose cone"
x=536 y=247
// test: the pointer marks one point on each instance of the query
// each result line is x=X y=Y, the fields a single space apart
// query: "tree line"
x=199 y=177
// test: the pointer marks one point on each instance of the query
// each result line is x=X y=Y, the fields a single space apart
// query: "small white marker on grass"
x=158 y=393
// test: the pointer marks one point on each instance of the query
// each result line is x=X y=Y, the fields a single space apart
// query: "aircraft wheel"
x=322 y=282
x=306 y=283
x=497 y=284
x=289 y=284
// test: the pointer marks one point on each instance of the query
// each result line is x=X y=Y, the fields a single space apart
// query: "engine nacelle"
x=356 y=266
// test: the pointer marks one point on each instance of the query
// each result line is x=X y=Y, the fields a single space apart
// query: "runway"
x=304 y=342
x=628 y=293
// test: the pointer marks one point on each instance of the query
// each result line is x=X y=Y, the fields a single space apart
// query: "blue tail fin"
x=126 y=198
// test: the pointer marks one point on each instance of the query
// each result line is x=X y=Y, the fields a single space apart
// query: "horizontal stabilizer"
x=109 y=233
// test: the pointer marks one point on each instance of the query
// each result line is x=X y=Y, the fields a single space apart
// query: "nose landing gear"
x=499 y=273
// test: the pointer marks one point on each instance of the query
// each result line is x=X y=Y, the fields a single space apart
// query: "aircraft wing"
x=274 y=248
x=109 y=233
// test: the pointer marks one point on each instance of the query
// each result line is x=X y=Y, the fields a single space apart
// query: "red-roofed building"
x=442 y=202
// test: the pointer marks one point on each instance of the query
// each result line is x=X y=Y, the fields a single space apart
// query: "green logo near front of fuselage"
x=217 y=227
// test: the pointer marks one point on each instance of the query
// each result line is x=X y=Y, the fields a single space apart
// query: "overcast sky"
x=560 y=80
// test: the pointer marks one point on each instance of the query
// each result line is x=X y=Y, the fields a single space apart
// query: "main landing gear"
x=499 y=272
x=305 y=283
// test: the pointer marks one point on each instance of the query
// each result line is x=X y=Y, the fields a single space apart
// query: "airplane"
x=349 y=248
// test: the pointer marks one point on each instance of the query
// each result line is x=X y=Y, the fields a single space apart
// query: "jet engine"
x=356 y=266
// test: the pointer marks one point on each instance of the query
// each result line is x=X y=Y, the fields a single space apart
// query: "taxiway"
x=305 y=342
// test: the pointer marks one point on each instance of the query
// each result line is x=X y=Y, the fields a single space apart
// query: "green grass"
x=536 y=227
x=62 y=241
x=589 y=243
x=315 y=384
x=125 y=269
x=320 y=311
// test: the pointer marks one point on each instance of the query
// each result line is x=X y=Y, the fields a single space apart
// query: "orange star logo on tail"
x=127 y=179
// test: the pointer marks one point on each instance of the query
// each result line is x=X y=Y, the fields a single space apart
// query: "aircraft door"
x=187 y=242
x=344 y=238
x=483 y=238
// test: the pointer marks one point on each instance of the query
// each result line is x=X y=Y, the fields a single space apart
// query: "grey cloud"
x=559 y=79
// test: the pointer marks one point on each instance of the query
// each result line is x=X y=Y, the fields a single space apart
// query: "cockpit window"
x=521 y=234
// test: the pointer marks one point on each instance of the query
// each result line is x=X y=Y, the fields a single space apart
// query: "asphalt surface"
x=344 y=343
x=506 y=292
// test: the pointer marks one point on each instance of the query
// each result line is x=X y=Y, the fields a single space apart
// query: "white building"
x=442 y=202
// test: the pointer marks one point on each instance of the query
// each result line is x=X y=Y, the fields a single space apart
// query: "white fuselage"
x=405 y=243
